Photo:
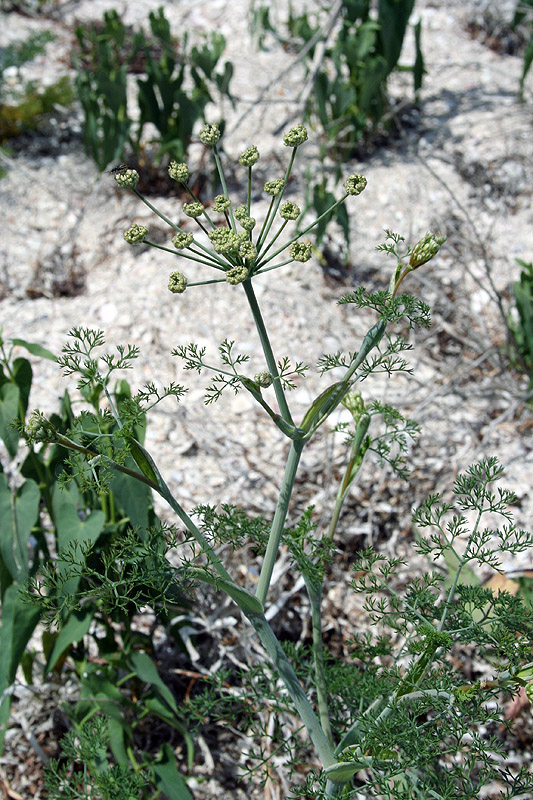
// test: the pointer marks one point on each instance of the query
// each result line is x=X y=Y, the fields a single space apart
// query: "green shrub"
x=179 y=83
x=23 y=105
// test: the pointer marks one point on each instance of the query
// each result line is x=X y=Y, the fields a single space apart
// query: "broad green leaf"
x=35 y=349
x=17 y=624
x=74 y=525
x=135 y=498
x=9 y=413
x=18 y=514
x=167 y=778
x=147 y=671
x=73 y=630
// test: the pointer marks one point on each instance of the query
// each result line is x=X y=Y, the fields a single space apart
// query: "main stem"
x=279 y=520
x=267 y=351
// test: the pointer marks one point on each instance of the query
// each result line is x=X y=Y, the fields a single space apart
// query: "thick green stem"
x=279 y=519
x=314 y=593
x=267 y=351
x=297 y=694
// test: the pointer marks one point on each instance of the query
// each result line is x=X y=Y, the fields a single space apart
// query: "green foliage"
x=23 y=105
x=522 y=327
x=93 y=551
x=392 y=715
x=349 y=101
x=85 y=769
x=179 y=83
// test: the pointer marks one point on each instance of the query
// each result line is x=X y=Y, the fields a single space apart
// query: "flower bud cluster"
x=295 y=137
x=263 y=379
x=178 y=172
x=354 y=402
x=221 y=203
x=274 y=187
x=127 y=178
x=40 y=429
x=236 y=275
x=193 y=210
x=301 y=251
x=244 y=254
x=355 y=184
x=135 y=234
x=182 y=240
x=425 y=249
x=289 y=211
x=225 y=241
x=210 y=134
x=248 y=251
x=177 y=282
x=249 y=157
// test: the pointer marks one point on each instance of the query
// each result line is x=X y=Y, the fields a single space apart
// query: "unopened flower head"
x=182 y=240
x=274 y=187
x=301 y=251
x=177 y=282
x=178 y=172
x=289 y=210
x=40 y=429
x=236 y=275
x=193 y=210
x=248 y=223
x=295 y=137
x=355 y=184
x=224 y=240
x=426 y=248
x=127 y=178
x=263 y=379
x=354 y=402
x=221 y=203
x=135 y=234
x=249 y=157
x=240 y=212
x=248 y=251
x=210 y=134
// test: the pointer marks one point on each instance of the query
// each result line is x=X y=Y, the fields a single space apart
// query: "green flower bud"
x=224 y=240
x=135 y=234
x=221 y=203
x=177 y=282
x=274 y=187
x=425 y=249
x=354 y=402
x=210 y=134
x=355 y=184
x=193 y=210
x=241 y=212
x=248 y=223
x=263 y=379
x=236 y=275
x=182 y=240
x=178 y=172
x=248 y=251
x=289 y=210
x=127 y=178
x=40 y=429
x=249 y=157
x=295 y=137
x=301 y=251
